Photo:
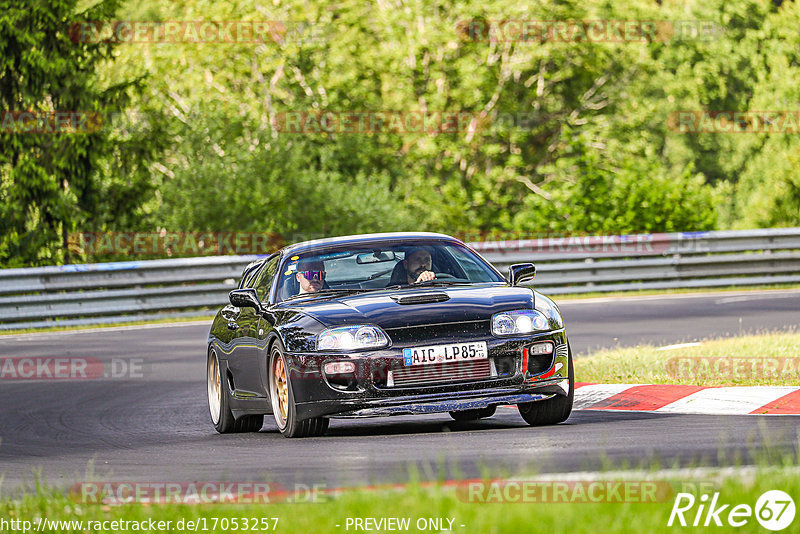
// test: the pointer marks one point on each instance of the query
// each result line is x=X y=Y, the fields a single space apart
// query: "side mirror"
x=521 y=272
x=245 y=298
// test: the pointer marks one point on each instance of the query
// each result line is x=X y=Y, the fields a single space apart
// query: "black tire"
x=219 y=395
x=472 y=415
x=285 y=411
x=554 y=410
x=249 y=423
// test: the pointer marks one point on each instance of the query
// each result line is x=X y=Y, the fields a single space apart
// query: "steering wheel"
x=444 y=276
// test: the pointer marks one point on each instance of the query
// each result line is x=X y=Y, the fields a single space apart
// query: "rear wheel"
x=283 y=406
x=554 y=410
x=472 y=415
x=221 y=415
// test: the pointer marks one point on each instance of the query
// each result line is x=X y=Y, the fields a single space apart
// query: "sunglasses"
x=311 y=275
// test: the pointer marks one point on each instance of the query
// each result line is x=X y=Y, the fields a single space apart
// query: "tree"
x=51 y=176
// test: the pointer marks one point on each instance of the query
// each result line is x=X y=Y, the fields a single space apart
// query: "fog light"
x=539 y=357
x=541 y=348
x=338 y=368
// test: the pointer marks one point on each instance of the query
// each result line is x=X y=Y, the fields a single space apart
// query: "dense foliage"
x=57 y=180
x=569 y=136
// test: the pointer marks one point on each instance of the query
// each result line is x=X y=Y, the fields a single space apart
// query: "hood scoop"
x=420 y=298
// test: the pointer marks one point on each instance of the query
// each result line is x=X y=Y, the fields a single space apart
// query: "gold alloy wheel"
x=281 y=386
x=214 y=387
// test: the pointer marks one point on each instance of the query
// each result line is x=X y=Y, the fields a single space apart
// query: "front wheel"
x=283 y=405
x=554 y=410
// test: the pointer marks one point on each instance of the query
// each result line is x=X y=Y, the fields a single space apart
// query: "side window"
x=264 y=281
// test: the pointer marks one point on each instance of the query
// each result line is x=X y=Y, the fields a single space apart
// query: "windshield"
x=380 y=264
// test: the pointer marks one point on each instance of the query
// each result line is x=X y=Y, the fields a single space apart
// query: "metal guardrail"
x=71 y=295
x=111 y=292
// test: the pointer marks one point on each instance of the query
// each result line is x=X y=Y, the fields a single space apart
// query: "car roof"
x=365 y=238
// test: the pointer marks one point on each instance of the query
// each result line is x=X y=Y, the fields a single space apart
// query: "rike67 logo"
x=774 y=510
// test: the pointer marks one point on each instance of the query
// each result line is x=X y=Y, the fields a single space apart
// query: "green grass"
x=415 y=501
x=755 y=360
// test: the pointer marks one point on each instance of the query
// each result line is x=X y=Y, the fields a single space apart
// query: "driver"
x=417 y=264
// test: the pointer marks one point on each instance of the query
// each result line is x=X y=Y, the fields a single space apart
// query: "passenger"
x=310 y=275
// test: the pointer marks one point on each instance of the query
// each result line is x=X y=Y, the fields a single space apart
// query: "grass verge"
x=656 y=292
x=56 y=328
x=576 y=510
x=770 y=359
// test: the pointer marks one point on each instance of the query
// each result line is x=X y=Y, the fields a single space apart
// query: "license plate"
x=453 y=352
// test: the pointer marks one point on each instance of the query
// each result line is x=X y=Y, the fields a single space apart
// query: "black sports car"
x=384 y=324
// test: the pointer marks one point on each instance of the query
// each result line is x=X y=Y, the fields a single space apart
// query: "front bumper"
x=516 y=377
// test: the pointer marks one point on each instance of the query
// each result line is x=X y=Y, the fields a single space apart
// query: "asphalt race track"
x=155 y=426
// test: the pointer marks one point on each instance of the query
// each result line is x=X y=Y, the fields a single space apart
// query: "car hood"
x=471 y=303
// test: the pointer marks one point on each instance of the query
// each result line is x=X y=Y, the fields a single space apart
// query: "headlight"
x=519 y=322
x=352 y=338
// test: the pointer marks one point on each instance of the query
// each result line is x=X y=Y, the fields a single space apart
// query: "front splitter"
x=453 y=405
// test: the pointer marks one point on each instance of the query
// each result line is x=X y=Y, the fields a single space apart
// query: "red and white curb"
x=668 y=398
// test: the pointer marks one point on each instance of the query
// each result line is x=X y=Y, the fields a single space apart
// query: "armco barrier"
x=655 y=261
x=109 y=292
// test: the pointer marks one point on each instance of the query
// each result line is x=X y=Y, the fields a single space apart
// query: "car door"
x=251 y=334
x=265 y=323
x=226 y=333
x=240 y=321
